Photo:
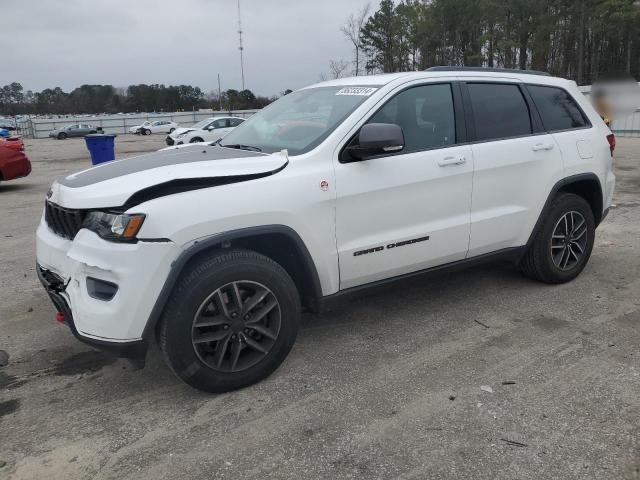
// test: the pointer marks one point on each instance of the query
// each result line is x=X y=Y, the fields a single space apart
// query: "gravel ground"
x=389 y=386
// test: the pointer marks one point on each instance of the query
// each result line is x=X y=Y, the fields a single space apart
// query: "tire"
x=222 y=356
x=62 y=136
x=146 y=132
x=196 y=140
x=171 y=130
x=569 y=257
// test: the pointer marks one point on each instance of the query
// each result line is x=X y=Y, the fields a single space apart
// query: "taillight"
x=612 y=142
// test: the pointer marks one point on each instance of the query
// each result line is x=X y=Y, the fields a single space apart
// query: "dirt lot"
x=387 y=387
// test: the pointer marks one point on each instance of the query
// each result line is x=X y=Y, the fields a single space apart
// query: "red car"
x=13 y=162
x=14 y=143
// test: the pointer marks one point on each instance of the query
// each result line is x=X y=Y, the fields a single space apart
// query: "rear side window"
x=500 y=111
x=558 y=110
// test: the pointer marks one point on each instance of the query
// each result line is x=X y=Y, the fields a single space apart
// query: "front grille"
x=65 y=222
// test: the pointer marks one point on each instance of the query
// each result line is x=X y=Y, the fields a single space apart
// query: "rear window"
x=559 y=111
x=500 y=111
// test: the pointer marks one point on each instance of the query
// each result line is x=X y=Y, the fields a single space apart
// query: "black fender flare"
x=554 y=191
x=199 y=246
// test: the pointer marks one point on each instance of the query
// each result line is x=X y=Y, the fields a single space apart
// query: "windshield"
x=299 y=121
x=201 y=124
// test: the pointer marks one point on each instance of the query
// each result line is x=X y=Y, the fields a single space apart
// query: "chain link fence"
x=118 y=124
x=628 y=126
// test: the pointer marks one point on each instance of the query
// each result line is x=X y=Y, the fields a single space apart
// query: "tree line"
x=584 y=40
x=14 y=100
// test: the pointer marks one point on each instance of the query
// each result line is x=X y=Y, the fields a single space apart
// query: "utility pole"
x=219 y=94
x=241 y=47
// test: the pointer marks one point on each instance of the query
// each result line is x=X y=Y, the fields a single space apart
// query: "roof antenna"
x=241 y=47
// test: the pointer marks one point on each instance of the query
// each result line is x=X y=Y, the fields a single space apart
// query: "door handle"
x=446 y=161
x=542 y=146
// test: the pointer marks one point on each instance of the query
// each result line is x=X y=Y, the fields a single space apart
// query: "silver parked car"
x=75 y=130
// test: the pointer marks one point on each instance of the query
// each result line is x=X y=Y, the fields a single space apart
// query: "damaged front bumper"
x=55 y=287
x=105 y=290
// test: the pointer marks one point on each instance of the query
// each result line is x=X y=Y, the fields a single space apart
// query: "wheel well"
x=284 y=250
x=590 y=190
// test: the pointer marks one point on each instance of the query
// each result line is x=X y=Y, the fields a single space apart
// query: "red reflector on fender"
x=612 y=142
x=60 y=317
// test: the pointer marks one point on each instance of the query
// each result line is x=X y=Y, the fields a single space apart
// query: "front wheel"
x=62 y=136
x=230 y=322
x=196 y=140
x=171 y=130
x=563 y=245
x=146 y=131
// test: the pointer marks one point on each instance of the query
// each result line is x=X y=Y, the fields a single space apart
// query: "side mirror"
x=377 y=139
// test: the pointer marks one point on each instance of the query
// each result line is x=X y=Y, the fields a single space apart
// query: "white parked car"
x=158 y=126
x=332 y=190
x=208 y=130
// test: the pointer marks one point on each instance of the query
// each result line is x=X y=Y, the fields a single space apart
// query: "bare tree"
x=338 y=68
x=351 y=30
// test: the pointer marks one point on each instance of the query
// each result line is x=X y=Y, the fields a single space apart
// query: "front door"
x=407 y=211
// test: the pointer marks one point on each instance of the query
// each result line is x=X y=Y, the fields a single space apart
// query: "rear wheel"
x=230 y=322
x=563 y=245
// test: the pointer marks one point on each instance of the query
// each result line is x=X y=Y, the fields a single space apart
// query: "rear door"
x=569 y=126
x=516 y=163
x=403 y=212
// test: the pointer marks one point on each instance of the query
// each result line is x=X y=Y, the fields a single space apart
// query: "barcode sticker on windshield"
x=360 y=91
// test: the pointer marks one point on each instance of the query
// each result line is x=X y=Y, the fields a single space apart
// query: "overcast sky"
x=67 y=43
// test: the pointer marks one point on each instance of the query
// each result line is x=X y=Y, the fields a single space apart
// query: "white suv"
x=333 y=189
x=209 y=130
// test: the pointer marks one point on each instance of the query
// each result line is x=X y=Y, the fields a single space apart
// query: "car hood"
x=187 y=145
x=124 y=182
x=181 y=130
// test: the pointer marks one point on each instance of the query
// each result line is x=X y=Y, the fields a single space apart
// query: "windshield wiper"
x=238 y=146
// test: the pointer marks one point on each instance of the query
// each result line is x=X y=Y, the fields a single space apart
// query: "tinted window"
x=500 y=111
x=236 y=121
x=558 y=110
x=425 y=115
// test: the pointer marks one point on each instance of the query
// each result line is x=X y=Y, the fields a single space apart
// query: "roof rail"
x=484 y=69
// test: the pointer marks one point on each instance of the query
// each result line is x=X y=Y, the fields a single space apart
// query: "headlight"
x=180 y=135
x=117 y=227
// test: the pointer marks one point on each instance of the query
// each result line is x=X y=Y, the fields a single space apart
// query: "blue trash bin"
x=101 y=147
